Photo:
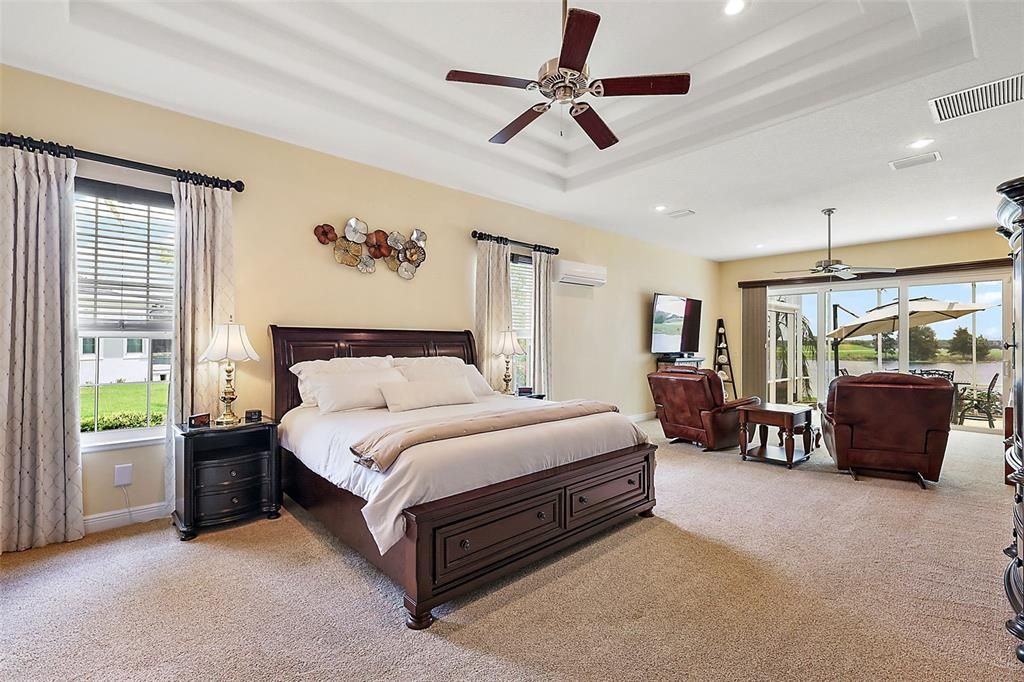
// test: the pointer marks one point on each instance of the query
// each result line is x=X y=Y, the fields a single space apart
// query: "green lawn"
x=123 y=405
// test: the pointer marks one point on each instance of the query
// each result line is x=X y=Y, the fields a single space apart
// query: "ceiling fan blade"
x=580 y=29
x=793 y=272
x=843 y=274
x=521 y=121
x=866 y=270
x=659 y=84
x=491 y=79
x=592 y=125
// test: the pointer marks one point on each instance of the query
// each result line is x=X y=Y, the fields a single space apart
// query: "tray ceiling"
x=793 y=104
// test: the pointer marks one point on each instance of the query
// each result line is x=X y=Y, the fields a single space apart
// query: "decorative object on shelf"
x=360 y=247
x=723 y=360
x=355 y=230
x=252 y=416
x=229 y=345
x=199 y=421
x=508 y=345
x=325 y=233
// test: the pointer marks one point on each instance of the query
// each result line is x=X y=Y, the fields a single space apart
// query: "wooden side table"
x=791 y=420
x=225 y=474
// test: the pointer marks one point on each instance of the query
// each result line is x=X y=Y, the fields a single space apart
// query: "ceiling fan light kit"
x=566 y=78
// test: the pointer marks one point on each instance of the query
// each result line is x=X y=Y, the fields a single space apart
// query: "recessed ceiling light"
x=920 y=144
x=951 y=217
x=735 y=7
x=759 y=246
x=660 y=207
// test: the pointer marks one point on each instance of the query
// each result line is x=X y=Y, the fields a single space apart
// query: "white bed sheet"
x=435 y=470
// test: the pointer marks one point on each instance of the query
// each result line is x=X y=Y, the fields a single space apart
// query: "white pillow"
x=340 y=391
x=413 y=395
x=441 y=372
x=310 y=369
x=432 y=361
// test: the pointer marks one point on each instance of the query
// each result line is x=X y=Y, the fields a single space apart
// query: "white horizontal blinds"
x=521 y=275
x=125 y=250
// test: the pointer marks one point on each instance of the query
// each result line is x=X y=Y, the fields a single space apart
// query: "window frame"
x=112 y=439
x=518 y=258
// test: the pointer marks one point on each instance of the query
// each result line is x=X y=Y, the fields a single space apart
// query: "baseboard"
x=121 y=517
x=645 y=416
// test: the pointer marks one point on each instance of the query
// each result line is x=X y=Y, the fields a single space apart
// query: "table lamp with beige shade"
x=508 y=345
x=228 y=345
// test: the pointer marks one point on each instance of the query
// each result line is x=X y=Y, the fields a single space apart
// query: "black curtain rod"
x=32 y=145
x=484 y=237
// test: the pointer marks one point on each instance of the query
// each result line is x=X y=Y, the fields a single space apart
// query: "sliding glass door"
x=948 y=326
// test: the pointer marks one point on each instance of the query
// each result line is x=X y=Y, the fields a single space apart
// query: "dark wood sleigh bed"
x=458 y=543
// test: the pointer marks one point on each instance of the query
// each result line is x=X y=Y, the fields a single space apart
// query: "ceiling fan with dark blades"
x=836 y=267
x=566 y=78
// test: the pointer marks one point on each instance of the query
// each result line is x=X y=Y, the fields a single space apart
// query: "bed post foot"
x=418 y=621
x=647 y=513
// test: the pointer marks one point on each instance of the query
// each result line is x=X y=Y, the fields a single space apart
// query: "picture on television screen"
x=676 y=324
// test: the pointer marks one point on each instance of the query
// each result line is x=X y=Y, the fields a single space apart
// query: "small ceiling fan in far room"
x=566 y=78
x=836 y=268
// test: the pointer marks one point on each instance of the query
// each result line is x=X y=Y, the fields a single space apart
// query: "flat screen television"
x=676 y=327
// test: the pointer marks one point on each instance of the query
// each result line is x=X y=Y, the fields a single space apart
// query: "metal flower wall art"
x=360 y=247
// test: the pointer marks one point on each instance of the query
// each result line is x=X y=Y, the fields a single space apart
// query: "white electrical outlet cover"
x=122 y=475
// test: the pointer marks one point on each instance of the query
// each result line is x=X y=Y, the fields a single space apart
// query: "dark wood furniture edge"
x=412 y=561
x=900 y=272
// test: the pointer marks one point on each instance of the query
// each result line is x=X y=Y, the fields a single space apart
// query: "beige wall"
x=903 y=253
x=284 y=276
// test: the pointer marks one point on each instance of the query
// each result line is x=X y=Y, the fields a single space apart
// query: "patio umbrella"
x=885 y=319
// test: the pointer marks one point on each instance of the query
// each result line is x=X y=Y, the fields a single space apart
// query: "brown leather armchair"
x=691 y=406
x=888 y=422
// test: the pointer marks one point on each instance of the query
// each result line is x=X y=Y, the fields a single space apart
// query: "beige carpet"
x=749 y=571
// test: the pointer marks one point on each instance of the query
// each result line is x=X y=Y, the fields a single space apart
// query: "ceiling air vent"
x=910 y=161
x=681 y=213
x=977 y=99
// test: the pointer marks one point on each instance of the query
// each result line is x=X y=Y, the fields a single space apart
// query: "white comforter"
x=434 y=470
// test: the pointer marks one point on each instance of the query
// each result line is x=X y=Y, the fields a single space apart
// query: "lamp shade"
x=229 y=342
x=508 y=344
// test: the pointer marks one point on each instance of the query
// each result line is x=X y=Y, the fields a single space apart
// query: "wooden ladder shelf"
x=723 y=359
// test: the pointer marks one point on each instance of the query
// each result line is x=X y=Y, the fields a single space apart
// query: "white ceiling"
x=794 y=105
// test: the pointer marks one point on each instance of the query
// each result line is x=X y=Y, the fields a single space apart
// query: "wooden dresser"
x=1011 y=218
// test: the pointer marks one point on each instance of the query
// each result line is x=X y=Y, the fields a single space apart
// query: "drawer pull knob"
x=464 y=545
x=234 y=500
x=233 y=473
x=631 y=481
x=541 y=515
x=583 y=499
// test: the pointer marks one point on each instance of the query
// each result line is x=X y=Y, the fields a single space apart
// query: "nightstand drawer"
x=237 y=472
x=228 y=503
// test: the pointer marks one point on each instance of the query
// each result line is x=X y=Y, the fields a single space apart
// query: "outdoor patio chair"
x=983 y=406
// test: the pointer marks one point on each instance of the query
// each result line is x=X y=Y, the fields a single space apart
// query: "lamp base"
x=507 y=378
x=227 y=415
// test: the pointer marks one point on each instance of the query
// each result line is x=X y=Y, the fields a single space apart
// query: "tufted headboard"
x=296 y=344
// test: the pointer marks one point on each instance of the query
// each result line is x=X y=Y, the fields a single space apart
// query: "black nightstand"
x=535 y=396
x=224 y=474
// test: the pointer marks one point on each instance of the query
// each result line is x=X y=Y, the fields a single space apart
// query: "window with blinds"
x=125 y=250
x=521 y=275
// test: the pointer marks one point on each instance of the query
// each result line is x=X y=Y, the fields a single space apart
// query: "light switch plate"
x=122 y=475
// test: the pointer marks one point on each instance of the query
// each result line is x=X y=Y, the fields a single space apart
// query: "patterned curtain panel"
x=40 y=459
x=493 y=308
x=204 y=297
x=754 y=340
x=541 y=322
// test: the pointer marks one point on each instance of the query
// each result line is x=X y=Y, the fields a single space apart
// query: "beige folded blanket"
x=379 y=449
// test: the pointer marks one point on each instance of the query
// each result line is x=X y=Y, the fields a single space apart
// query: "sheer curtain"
x=204 y=296
x=493 y=307
x=40 y=457
x=541 y=322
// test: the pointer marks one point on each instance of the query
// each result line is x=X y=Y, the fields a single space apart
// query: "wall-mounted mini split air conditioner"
x=580 y=274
